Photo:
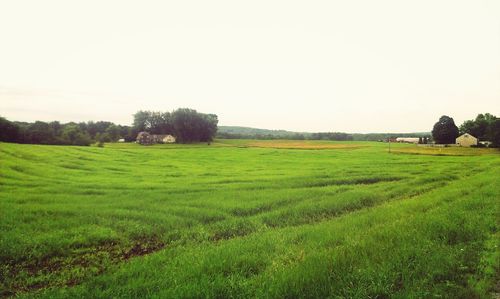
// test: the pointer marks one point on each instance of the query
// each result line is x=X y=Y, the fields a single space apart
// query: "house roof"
x=466 y=135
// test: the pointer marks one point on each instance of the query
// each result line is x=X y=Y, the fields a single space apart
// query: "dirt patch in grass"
x=70 y=270
x=301 y=145
x=142 y=248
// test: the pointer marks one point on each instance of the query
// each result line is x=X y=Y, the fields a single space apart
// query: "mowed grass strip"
x=71 y=213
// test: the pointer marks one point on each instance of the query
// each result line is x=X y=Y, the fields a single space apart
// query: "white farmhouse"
x=408 y=139
x=169 y=139
x=145 y=138
x=466 y=140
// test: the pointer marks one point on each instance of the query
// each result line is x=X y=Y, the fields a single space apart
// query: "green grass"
x=246 y=218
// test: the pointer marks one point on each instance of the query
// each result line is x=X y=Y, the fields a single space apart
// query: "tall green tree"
x=494 y=133
x=484 y=127
x=40 y=132
x=479 y=127
x=142 y=121
x=445 y=131
x=74 y=135
x=9 y=131
x=209 y=127
x=187 y=125
x=92 y=128
x=113 y=132
x=469 y=126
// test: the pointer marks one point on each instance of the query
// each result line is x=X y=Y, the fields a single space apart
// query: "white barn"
x=466 y=140
x=408 y=139
x=169 y=139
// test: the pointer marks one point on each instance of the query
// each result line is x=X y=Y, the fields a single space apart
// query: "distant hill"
x=255 y=131
x=234 y=132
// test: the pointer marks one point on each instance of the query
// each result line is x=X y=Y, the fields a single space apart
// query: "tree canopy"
x=495 y=133
x=187 y=125
x=445 y=131
x=72 y=133
x=8 y=131
x=479 y=127
x=486 y=127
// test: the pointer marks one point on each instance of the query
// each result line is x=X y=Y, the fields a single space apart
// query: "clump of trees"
x=9 y=131
x=445 y=131
x=187 y=125
x=486 y=127
x=72 y=133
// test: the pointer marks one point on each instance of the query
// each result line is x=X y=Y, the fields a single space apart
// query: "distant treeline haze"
x=228 y=132
x=188 y=125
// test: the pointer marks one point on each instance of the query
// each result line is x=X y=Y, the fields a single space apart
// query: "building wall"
x=466 y=140
x=169 y=139
x=407 y=139
x=146 y=138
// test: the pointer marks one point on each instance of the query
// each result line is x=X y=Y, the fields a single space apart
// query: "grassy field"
x=247 y=218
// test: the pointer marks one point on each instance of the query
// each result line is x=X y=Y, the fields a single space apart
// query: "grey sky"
x=354 y=66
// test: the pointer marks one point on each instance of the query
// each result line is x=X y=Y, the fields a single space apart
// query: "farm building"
x=466 y=140
x=163 y=138
x=145 y=138
x=169 y=139
x=408 y=139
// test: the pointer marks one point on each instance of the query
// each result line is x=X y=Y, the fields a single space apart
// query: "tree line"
x=56 y=133
x=186 y=125
x=485 y=127
x=332 y=136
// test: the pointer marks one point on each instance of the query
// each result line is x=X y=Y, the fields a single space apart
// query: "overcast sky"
x=353 y=66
